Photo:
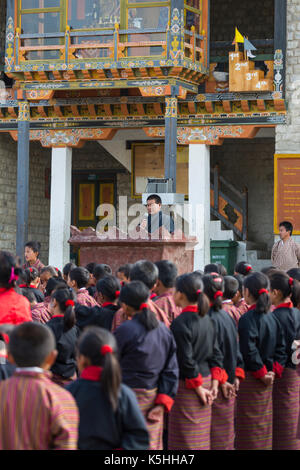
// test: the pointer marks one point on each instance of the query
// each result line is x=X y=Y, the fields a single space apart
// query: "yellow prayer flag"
x=238 y=36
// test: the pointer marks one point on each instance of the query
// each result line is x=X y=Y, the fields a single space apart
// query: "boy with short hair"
x=36 y=414
x=32 y=253
x=231 y=287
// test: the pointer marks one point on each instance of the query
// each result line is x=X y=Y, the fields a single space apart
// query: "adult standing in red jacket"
x=14 y=308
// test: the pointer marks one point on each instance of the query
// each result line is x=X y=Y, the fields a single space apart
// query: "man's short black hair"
x=231 y=286
x=288 y=226
x=35 y=246
x=101 y=270
x=30 y=344
x=144 y=271
x=167 y=273
x=155 y=197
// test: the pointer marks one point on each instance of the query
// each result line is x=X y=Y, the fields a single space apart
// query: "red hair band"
x=13 y=276
x=30 y=269
x=291 y=281
x=106 y=349
x=5 y=337
x=199 y=291
x=263 y=291
x=218 y=294
x=117 y=293
x=70 y=303
x=248 y=268
x=142 y=306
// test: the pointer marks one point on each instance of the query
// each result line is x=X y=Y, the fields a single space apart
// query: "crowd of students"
x=146 y=359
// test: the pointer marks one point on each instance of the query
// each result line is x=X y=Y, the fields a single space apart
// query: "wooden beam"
x=192 y=107
x=261 y=105
x=158 y=109
x=58 y=111
x=279 y=105
x=226 y=106
x=209 y=106
x=245 y=106
x=124 y=109
x=108 y=110
x=92 y=109
x=12 y=112
x=75 y=110
x=42 y=111
x=141 y=109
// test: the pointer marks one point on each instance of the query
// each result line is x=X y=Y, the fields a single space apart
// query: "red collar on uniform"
x=92 y=373
x=106 y=304
x=286 y=305
x=190 y=308
x=253 y=307
x=153 y=295
x=57 y=316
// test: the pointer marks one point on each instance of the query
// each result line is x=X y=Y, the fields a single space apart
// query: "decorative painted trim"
x=67 y=137
x=24 y=111
x=171 y=107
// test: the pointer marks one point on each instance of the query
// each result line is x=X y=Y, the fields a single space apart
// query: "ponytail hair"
x=100 y=347
x=279 y=280
x=135 y=294
x=30 y=275
x=191 y=286
x=243 y=268
x=109 y=287
x=214 y=289
x=258 y=286
x=66 y=301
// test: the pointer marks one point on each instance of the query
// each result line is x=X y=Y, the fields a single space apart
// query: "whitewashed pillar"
x=60 y=212
x=199 y=200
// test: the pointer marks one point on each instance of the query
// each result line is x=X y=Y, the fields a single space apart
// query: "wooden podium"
x=116 y=248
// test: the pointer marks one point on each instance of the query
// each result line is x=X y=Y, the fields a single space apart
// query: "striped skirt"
x=146 y=400
x=254 y=415
x=189 y=420
x=222 y=423
x=286 y=396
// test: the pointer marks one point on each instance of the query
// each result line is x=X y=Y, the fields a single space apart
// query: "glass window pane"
x=30 y=4
x=87 y=14
x=148 y=18
x=40 y=23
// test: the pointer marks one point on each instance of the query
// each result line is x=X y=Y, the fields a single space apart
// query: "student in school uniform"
x=66 y=269
x=147 y=272
x=263 y=348
x=36 y=414
x=78 y=279
x=41 y=312
x=63 y=326
x=238 y=300
x=167 y=274
x=286 y=391
x=147 y=354
x=47 y=273
x=123 y=273
x=30 y=279
x=110 y=417
x=14 y=308
x=32 y=253
x=222 y=423
x=231 y=287
x=107 y=295
x=200 y=367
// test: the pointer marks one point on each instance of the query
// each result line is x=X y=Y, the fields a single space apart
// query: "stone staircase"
x=253 y=253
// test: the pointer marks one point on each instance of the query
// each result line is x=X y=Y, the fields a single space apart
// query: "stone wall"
x=250 y=163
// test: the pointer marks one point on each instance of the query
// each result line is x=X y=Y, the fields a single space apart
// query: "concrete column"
x=199 y=201
x=60 y=212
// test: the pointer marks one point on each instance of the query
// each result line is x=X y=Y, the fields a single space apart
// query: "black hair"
x=35 y=246
x=191 y=286
x=240 y=280
x=213 y=284
x=199 y=272
x=231 y=286
x=7 y=270
x=288 y=226
x=294 y=273
x=62 y=295
x=254 y=283
x=154 y=197
x=68 y=267
x=81 y=276
x=134 y=294
x=268 y=270
x=125 y=269
x=90 y=267
x=295 y=298
x=52 y=284
x=30 y=275
x=144 y=271
x=211 y=268
x=108 y=286
x=243 y=268
x=101 y=270
x=167 y=272
x=49 y=269
x=279 y=280
x=30 y=343
x=89 y=345
x=28 y=294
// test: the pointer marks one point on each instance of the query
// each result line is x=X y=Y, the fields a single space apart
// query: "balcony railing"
x=97 y=45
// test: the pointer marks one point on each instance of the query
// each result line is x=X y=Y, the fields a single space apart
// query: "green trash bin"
x=224 y=252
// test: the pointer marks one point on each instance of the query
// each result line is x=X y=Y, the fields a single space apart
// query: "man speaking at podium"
x=155 y=218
